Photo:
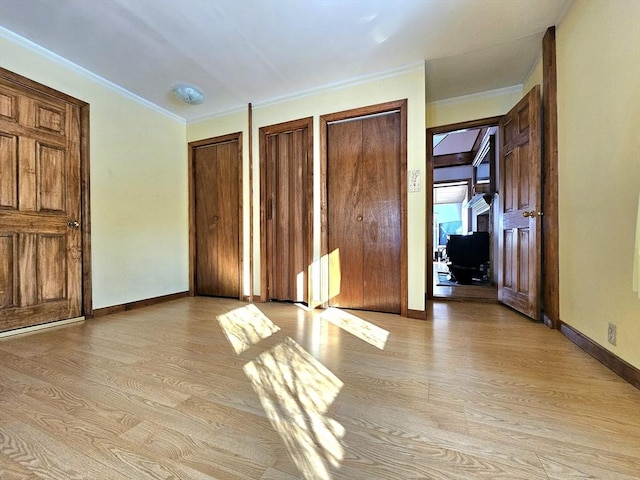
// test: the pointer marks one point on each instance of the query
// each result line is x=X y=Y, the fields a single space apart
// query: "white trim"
x=355 y=81
x=42 y=326
x=477 y=96
x=54 y=57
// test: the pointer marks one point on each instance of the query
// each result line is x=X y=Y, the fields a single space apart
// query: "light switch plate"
x=414 y=180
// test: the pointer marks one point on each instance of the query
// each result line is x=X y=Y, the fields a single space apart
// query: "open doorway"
x=462 y=170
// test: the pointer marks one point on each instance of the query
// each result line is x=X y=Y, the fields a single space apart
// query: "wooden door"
x=217 y=170
x=365 y=211
x=40 y=234
x=287 y=193
x=520 y=237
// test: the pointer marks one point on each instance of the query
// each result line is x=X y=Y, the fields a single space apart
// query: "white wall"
x=598 y=58
x=403 y=84
x=139 y=220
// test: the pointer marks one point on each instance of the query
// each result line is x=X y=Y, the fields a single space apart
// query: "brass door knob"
x=532 y=213
x=73 y=224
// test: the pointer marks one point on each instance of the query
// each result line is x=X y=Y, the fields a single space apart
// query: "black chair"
x=469 y=256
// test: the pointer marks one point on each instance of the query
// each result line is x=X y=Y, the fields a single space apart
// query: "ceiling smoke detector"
x=188 y=94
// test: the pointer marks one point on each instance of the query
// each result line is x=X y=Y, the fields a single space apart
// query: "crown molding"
x=55 y=58
x=352 y=82
x=478 y=96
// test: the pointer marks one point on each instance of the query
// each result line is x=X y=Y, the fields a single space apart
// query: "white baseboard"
x=34 y=328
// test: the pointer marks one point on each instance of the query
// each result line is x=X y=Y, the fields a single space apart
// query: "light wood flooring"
x=202 y=388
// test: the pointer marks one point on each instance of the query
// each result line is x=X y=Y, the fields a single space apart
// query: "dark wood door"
x=287 y=192
x=40 y=235
x=364 y=212
x=520 y=236
x=217 y=169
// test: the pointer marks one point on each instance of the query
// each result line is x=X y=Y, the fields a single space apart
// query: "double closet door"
x=364 y=212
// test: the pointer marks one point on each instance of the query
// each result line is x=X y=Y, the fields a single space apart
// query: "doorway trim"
x=192 y=207
x=483 y=122
x=401 y=106
x=85 y=206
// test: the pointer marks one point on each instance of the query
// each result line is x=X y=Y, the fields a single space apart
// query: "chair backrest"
x=469 y=250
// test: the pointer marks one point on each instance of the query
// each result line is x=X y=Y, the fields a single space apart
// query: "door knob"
x=359 y=218
x=73 y=224
x=532 y=213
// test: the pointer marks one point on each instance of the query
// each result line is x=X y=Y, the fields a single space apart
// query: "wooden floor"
x=202 y=388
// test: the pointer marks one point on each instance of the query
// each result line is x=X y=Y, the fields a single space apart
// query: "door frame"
x=483 y=122
x=192 y=208
x=85 y=206
x=397 y=105
x=307 y=206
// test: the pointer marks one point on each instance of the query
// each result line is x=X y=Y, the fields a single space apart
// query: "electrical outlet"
x=611 y=333
x=414 y=180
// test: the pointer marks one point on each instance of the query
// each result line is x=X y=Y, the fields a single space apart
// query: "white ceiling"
x=241 y=51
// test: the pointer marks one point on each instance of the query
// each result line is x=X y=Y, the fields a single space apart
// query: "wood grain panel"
x=523 y=248
x=49 y=118
x=216 y=171
x=283 y=229
x=508 y=171
x=286 y=179
x=51 y=267
x=345 y=214
x=8 y=106
x=381 y=211
x=51 y=178
x=508 y=252
x=27 y=254
x=523 y=177
x=8 y=270
x=9 y=171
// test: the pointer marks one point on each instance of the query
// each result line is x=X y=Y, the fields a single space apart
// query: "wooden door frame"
x=483 y=122
x=550 y=235
x=192 y=208
x=307 y=206
x=401 y=106
x=85 y=206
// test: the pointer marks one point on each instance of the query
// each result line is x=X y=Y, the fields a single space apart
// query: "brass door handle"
x=532 y=213
x=73 y=224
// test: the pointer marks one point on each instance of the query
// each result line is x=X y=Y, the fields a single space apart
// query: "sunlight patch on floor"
x=296 y=391
x=246 y=326
x=367 y=331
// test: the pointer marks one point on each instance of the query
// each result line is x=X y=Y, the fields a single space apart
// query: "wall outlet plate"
x=414 y=180
x=611 y=333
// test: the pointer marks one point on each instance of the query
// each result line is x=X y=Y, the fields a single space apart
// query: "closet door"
x=364 y=212
x=217 y=185
x=345 y=215
x=286 y=171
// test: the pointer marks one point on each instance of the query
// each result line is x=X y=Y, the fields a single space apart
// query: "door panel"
x=345 y=215
x=364 y=211
x=286 y=179
x=381 y=207
x=41 y=249
x=519 y=281
x=217 y=182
